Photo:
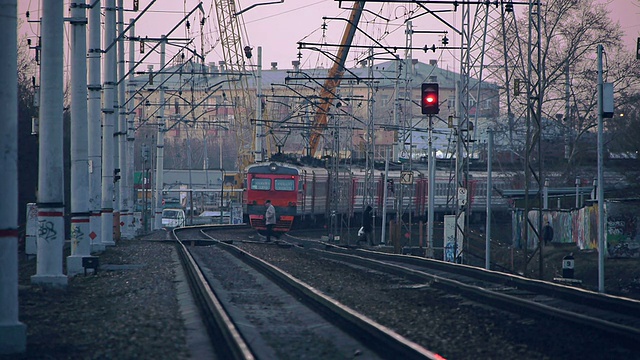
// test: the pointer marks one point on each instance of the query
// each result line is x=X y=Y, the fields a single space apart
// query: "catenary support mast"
x=123 y=191
x=94 y=128
x=13 y=333
x=80 y=241
x=110 y=103
x=50 y=162
x=533 y=156
x=129 y=174
x=160 y=141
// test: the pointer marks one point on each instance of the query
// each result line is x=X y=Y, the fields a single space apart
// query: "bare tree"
x=570 y=32
x=27 y=142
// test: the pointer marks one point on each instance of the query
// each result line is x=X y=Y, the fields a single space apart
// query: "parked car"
x=173 y=218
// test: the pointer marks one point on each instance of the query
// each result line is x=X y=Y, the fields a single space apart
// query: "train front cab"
x=278 y=184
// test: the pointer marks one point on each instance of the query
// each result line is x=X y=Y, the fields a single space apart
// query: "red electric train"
x=298 y=193
x=302 y=194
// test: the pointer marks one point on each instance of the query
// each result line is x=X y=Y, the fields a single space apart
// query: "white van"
x=172 y=218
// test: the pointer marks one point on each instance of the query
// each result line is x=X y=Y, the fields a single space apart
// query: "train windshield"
x=260 y=184
x=170 y=214
x=285 y=184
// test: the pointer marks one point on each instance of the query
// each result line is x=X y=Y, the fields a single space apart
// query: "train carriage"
x=303 y=193
x=297 y=192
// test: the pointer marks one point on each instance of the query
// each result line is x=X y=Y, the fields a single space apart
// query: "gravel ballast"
x=129 y=312
x=132 y=311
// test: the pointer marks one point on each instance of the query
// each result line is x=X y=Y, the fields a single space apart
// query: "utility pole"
x=94 y=128
x=406 y=122
x=508 y=26
x=396 y=104
x=128 y=176
x=13 y=337
x=487 y=260
x=600 y=189
x=567 y=111
x=335 y=183
x=123 y=193
x=50 y=163
x=369 y=178
x=80 y=241
x=385 y=193
x=160 y=142
x=260 y=133
x=431 y=170
x=534 y=129
x=110 y=102
x=463 y=135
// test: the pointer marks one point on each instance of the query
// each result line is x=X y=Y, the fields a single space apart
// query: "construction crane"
x=230 y=24
x=334 y=77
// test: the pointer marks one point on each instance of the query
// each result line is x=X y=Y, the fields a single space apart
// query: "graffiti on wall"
x=569 y=226
x=622 y=231
x=580 y=227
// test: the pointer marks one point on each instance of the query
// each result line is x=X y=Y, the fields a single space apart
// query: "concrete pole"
x=567 y=110
x=205 y=158
x=600 y=188
x=80 y=228
x=396 y=104
x=13 y=333
x=259 y=151
x=160 y=141
x=128 y=176
x=487 y=260
x=123 y=193
x=50 y=169
x=110 y=99
x=545 y=195
x=94 y=128
x=577 y=193
x=220 y=150
x=385 y=193
x=431 y=170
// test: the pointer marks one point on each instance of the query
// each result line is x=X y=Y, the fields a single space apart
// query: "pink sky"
x=277 y=28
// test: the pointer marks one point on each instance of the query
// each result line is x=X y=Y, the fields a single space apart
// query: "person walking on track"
x=269 y=219
x=367 y=225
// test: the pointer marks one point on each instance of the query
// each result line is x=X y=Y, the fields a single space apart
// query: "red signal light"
x=430 y=99
x=430 y=104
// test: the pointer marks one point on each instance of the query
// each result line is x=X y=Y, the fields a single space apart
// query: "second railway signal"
x=429 y=100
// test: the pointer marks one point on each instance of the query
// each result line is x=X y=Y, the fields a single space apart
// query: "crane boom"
x=334 y=77
x=230 y=29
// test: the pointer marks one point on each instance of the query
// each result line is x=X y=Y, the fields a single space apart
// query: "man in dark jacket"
x=547 y=233
x=367 y=225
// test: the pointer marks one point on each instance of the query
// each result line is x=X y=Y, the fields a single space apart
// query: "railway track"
x=254 y=310
x=614 y=315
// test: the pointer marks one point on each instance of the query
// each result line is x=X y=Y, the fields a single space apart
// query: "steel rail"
x=379 y=261
x=222 y=331
x=383 y=340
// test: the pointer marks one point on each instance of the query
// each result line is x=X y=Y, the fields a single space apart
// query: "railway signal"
x=429 y=100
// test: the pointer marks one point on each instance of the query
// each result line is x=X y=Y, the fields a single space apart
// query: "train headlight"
x=273 y=167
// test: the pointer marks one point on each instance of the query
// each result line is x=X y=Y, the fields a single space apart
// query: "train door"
x=302 y=196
